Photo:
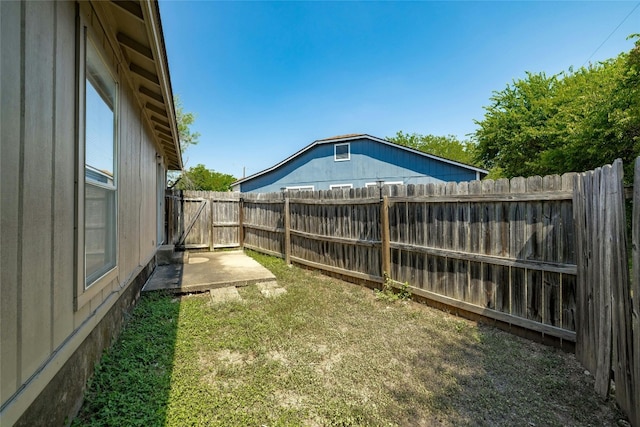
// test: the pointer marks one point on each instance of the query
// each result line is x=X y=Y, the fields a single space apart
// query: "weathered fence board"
x=607 y=329
x=336 y=234
x=633 y=407
x=625 y=295
x=263 y=224
x=593 y=297
x=225 y=216
x=500 y=253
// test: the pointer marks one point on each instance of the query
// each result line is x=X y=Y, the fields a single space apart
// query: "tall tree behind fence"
x=608 y=334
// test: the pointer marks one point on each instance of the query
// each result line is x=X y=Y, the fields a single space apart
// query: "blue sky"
x=266 y=79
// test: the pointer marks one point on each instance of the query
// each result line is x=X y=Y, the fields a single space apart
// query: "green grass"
x=329 y=353
x=132 y=382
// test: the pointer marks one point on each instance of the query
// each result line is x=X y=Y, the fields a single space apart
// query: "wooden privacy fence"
x=608 y=304
x=547 y=254
x=501 y=249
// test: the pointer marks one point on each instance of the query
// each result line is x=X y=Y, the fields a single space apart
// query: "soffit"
x=135 y=28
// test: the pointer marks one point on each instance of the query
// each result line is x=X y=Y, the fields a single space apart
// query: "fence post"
x=241 y=222
x=181 y=223
x=212 y=230
x=168 y=217
x=287 y=230
x=384 y=235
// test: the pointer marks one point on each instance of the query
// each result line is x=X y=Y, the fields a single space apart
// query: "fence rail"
x=547 y=254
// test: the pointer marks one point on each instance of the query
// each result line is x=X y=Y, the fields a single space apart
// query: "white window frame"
x=301 y=188
x=84 y=291
x=335 y=152
x=375 y=184
x=340 y=186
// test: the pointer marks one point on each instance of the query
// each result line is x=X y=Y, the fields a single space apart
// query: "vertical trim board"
x=36 y=250
x=10 y=184
x=126 y=183
x=54 y=108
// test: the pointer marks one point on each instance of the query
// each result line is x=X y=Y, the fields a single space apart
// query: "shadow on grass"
x=131 y=385
x=500 y=380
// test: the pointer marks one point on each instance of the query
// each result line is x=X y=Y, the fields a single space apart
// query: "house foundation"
x=62 y=398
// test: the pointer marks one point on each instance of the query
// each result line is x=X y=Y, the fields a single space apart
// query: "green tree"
x=512 y=133
x=201 y=178
x=572 y=121
x=184 y=121
x=448 y=147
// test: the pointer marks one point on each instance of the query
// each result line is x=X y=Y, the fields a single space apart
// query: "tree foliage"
x=448 y=146
x=184 y=121
x=201 y=178
x=572 y=121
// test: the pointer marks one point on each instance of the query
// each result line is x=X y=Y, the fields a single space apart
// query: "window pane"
x=100 y=180
x=342 y=151
x=99 y=120
x=341 y=186
x=99 y=231
x=99 y=137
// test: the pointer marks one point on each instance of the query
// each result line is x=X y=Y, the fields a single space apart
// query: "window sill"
x=96 y=287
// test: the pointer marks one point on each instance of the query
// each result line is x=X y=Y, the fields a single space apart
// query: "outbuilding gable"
x=356 y=160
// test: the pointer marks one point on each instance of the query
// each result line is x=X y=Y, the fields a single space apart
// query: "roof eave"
x=151 y=12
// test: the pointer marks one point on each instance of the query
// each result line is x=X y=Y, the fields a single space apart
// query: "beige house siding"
x=41 y=326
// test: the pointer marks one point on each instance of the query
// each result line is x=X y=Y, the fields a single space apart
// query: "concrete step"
x=225 y=294
x=271 y=289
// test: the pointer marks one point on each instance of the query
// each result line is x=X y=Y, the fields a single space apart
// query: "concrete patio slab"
x=208 y=270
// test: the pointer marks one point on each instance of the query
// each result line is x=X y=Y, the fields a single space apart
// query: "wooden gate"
x=203 y=219
x=188 y=222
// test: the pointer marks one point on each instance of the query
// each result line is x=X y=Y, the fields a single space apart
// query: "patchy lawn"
x=329 y=353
